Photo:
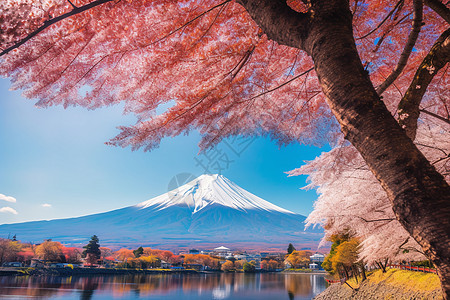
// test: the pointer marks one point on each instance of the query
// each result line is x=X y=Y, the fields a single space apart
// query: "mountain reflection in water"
x=166 y=286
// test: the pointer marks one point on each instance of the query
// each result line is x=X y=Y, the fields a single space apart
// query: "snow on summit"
x=208 y=190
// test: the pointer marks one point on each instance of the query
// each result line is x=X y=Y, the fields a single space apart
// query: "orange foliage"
x=271 y=264
x=124 y=254
x=202 y=259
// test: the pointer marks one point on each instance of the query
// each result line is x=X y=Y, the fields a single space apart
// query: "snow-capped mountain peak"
x=206 y=211
x=208 y=190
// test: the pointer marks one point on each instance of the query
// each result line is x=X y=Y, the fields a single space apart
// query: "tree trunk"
x=419 y=194
x=363 y=272
x=355 y=272
x=345 y=272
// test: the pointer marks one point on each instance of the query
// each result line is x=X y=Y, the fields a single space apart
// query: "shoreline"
x=89 y=271
x=112 y=271
x=310 y=273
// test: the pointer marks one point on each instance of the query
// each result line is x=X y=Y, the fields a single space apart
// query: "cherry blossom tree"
x=298 y=71
x=344 y=181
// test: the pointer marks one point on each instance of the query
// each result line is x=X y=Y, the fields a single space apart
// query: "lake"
x=165 y=286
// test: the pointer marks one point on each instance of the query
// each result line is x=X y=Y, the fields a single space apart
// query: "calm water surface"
x=165 y=286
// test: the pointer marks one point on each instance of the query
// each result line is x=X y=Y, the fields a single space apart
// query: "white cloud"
x=46 y=205
x=7 y=209
x=7 y=198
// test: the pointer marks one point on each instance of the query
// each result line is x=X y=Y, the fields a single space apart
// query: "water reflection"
x=166 y=286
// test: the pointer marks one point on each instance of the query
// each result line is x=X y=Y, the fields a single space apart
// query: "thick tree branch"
x=440 y=8
x=48 y=23
x=278 y=21
x=412 y=38
x=408 y=108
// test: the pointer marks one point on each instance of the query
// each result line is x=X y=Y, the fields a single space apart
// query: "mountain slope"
x=206 y=211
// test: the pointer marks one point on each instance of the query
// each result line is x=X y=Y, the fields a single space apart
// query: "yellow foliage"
x=346 y=254
x=299 y=258
x=227 y=266
x=49 y=250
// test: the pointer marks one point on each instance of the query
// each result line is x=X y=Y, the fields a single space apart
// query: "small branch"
x=404 y=243
x=441 y=159
x=52 y=21
x=276 y=88
x=73 y=5
x=412 y=38
x=432 y=147
x=435 y=116
x=376 y=220
x=189 y=22
x=382 y=22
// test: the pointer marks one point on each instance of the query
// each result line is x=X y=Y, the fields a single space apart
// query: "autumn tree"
x=346 y=256
x=247 y=67
x=239 y=264
x=270 y=264
x=72 y=254
x=105 y=252
x=176 y=260
x=124 y=254
x=9 y=250
x=228 y=266
x=161 y=254
x=249 y=267
x=150 y=261
x=51 y=251
x=92 y=250
x=202 y=259
x=299 y=259
x=336 y=240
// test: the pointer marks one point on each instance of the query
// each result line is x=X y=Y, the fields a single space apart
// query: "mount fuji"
x=206 y=211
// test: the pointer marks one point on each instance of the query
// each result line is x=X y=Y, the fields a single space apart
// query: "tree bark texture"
x=419 y=194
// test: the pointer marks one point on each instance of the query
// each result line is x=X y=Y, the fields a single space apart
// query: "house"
x=194 y=251
x=222 y=251
x=165 y=264
x=317 y=258
x=314 y=266
x=287 y=264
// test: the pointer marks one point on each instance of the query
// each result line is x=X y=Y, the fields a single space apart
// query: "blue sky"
x=55 y=163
